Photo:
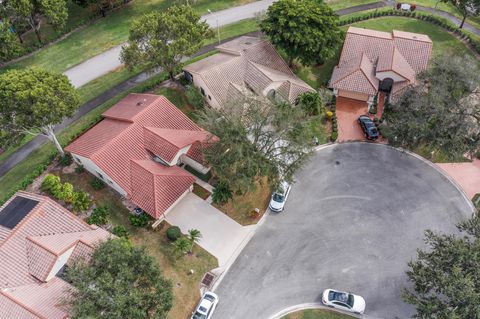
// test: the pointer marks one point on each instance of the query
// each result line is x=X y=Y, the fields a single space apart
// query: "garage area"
x=221 y=235
x=354 y=218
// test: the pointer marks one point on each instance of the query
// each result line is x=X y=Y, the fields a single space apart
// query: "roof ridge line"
x=21 y=304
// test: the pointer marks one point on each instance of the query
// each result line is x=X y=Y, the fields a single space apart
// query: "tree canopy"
x=466 y=7
x=33 y=101
x=256 y=138
x=446 y=276
x=121 y=281
x=162 y=39
x=442 y=111
x=10 y=47
x=306 y=30
x=54 y=12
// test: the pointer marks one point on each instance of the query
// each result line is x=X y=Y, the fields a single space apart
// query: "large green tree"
x=256 y=138
x=121 y=281
x=442 y=111
x=446 y=276
x=10 y=47
x=162 y=39
x=35 y=12
x=306 y=30
x=466 y=7
x=33 y=101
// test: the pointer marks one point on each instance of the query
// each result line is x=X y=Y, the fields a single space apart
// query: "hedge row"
x=334 y=135
x=440 y=21
x=27 y=180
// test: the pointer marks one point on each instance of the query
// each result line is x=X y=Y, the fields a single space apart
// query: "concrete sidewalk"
x=467 y=175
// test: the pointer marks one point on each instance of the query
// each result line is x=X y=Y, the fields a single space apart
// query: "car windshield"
x=198 y=315
x=373 y=131
x=278 y=198
x=342 y=297
x=209 y=297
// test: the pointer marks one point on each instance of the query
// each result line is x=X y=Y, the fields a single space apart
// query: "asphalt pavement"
x=354 y=218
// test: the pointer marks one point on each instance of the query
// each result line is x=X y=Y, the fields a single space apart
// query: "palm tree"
x=183 y=245
x=194 y=236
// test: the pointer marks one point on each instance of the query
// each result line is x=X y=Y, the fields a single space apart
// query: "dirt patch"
x=242 y=207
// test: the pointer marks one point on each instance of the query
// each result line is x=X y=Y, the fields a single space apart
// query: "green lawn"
x=342 y=4
x=447 y=7
x=316 y=314
x=443 y=42
x=107 y=81
x=106 y=33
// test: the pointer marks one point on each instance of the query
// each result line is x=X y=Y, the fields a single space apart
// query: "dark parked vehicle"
x=368 y=127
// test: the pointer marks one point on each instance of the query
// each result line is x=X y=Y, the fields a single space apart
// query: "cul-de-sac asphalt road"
x=354 y=218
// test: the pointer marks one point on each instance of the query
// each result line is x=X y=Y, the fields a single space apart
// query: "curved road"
x=353 y=220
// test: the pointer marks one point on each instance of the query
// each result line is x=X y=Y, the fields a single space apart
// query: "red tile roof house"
x=136 y=148
x=245 y=65
x=373 y=61
x=38 y=238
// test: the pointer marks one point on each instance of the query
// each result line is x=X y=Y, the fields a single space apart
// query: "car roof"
x=205 y=304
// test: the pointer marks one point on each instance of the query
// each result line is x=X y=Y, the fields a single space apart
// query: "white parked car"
x=206 y=306
x=344 y=301
x=279 y=197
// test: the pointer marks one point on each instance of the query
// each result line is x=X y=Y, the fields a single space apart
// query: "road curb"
x=315 y=305
x=432 y=165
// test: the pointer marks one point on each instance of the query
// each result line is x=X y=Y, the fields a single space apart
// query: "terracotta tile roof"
x=246 y=61
x=26 y=259
x=157 y=187
x=158 y=128
x=130 y=107
x=401 y=52
x=357 y=75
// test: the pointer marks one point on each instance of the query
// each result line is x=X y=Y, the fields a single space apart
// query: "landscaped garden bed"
x=200 y=191
x=185 y=271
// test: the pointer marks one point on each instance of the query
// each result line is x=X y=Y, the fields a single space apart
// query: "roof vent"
x=142 y=102
x=248 y=43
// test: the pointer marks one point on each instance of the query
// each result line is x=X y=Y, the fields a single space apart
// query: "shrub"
x=121 y=231
x=334 y=136
x=99 y=216
x=65 y=193
x=51 y=184
x=311 y=103
x=173 y=233
x=81 y=202
x=221 y=193
x=97 y=183
x=399 y=5
x=79 y=169
x=139 y=220
x=194 y=97
x=65 y=160
x=329 y=115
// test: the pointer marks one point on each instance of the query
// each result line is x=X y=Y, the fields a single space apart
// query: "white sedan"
x=343 y=300
x=279 y=197
x=206 y=306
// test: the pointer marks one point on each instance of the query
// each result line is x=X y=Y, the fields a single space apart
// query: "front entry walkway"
x=465 y=174
x=221 y=235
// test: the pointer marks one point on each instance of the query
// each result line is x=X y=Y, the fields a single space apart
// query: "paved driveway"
x=348 y=111
x=221 y=235
x=354 y=218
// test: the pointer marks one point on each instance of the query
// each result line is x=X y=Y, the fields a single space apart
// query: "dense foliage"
x=446 y=276
x=162 y=39
x=121 y=281
x=99 y=216
x=33 y=101
x=256 y=138
x=442 y=111
x=306 y=30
